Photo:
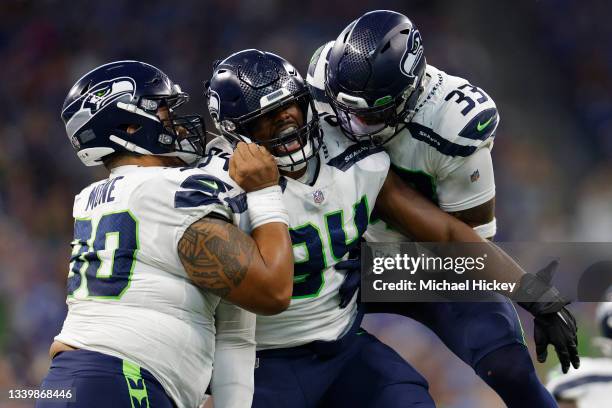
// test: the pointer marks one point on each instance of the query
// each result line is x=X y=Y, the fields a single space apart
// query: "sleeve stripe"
x=237 y=204
x=482 y=126
x=444 y=146
x=352 y=155
x=192 y=198
x=589 y=379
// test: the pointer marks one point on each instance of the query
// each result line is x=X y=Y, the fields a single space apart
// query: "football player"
x=313 y=353
x=438 y=130
x=157 y=267
x=591 y=386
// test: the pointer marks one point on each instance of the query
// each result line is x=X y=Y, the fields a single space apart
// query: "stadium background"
x=546 y=63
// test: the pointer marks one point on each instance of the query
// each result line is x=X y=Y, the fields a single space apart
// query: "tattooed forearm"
x=216 y=255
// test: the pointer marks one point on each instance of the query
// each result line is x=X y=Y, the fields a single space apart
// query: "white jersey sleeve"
x=458 y=122
x=315 y=78
x=232 y=380
x=128 y=294
x=470 y=184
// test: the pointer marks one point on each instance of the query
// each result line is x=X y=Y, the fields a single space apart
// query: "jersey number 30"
x=115 y=240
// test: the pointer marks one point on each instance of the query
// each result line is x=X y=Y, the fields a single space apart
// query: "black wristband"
x=537 y=296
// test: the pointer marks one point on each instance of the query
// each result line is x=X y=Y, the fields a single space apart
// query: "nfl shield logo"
x=475 y=176
x=318 y=196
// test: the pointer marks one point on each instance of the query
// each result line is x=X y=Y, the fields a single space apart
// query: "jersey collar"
x=120 y=170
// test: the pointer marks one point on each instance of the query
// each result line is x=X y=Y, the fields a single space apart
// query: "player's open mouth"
x=291 y=146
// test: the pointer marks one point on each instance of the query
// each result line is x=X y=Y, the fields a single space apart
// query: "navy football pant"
x=102 y=381
x=355 y=371
x=471 y=330
x=487 y=336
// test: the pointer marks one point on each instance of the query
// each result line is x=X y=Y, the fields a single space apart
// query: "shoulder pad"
x=195 y=187
x=216 y=158
x=334 y=141
x=464 y=119
x=316 y=76
x=216 y=161
x=180 y=191
x=341 y=152
x=218 y=144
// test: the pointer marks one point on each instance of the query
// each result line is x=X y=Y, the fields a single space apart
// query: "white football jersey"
x=128 y=294
x=445 y=150
x=589 y=387
x=325 y=220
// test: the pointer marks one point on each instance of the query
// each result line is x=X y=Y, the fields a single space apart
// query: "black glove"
x=352 y=279
x=554 y=323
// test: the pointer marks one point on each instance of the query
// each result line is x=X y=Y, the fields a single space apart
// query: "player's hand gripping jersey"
x=326 y=220
x=445 y=149
x=125 y=256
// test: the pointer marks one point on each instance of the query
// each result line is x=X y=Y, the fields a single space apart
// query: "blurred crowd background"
x=547 y=64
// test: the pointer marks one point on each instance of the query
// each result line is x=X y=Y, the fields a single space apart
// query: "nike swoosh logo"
x=480 y=127
x=211 y=184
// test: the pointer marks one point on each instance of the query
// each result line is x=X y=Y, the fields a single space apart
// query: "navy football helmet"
x=250 y=84
x=374 y=75
x=108 y=100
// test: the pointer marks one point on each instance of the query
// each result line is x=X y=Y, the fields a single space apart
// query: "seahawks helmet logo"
x=95 y=98
x=105 y=92
x=413 y=54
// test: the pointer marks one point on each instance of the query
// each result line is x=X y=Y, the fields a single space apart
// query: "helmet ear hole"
x=129 y=128
x=86 y=136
